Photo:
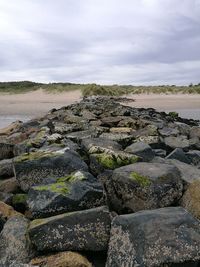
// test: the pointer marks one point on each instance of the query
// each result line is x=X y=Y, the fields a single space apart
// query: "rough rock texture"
x=6 y=151
x=15 y=245
x=6 y=168
x=81 y=230
x=143 y=186
x=35 y=168
x=152 y=238
x=9 y=185
x=62 y=259
x=77 y=191
x=141 y=149
x=7 y=211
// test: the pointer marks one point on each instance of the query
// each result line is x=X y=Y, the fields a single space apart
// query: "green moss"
x=59 y=187
x=141 y=180
x=34 y=156
x=19 y=198
x=77 y=176
x=173 y=114
x=37 y=222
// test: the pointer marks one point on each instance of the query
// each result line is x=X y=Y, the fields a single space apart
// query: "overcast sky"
x=102 y=41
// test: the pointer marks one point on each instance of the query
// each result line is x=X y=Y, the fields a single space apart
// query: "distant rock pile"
x=100 y=184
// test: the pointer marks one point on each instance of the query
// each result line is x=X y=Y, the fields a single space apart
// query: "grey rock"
x=194 y=157
x=77 y=191
x=15 y=244
x=142 y=186
x=80 y=135
x=6 y=151
x=6 y=168
x=80 y=230
x=165 y=131
x=195 y=132
x=179 y=154
x=44 y=167
x=154 y=238
x=177 y=142
x=141 y=149
x=122 y=138
x=160 y=152
x=99 y=145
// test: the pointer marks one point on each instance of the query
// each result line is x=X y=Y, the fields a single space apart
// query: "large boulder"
x=6 y=151
x=99 y=145
x=77 y=191
x=155 y=238
x=6 y=168
x=179 y=154
x=9 y=185
x=142 y=150
x=142 y=186
x=177 y=142
x=15 y=245
x=7 y=212
x=44 y=167
x=62 y=259
x=80 y=230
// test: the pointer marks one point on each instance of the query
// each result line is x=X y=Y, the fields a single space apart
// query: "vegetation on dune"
x=95 y=89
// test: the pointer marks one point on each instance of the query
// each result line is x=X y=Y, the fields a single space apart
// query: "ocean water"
x=5 y=120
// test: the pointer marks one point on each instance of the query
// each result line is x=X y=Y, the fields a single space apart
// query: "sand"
x=39 y=102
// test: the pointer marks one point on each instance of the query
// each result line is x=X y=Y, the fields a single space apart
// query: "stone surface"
x=80 y=230
x=154 y=238
x=77 y=191
x=142 y=186
x=177 y=142
x=9 y=185
x=6 y=168
x=178 y=154
x=6 y=151
x=142 y=150
x=7 y=211
x=62 y=259
x=37 y=167
x=15 y=245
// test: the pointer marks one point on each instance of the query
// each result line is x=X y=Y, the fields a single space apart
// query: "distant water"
x=5 y=120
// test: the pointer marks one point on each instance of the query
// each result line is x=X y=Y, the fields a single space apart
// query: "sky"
x=139 y=42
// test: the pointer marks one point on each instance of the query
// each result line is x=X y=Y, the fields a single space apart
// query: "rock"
x=19 y=202
x=125 y=130
x=160 y=152
x=111 y=121
x=35 y=168
x=2 y=222
x=142 y=150
x=9 y=185
x=178 y=154
x=143 y=186
x=165 y=131
x=194 y=157
x=110 y=160
x=177 y=142
x=74 y=192
x=80 y=230
x=62 y=259
x=154 y=238
x=122 y=138
x=6 y=198
x=195 y=132
x=99 y=145
x=14 y=126
x=7 y=211
x=15 y=245
x=6 y=151
x=80 y=135
x=191 y=199
x=153 y=141
x=6 y=168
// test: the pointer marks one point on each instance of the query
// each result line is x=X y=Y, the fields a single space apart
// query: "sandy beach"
x=36 y=103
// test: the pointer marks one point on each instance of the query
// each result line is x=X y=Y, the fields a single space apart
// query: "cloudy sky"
x=102 y=41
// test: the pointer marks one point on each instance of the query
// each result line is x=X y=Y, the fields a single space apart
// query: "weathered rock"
x=80 y=230
x=168 y=131
x=155 y=238
x=6 y=198
x=195 y=132
x=15 y=245
x=99 y=145
x=78 y=136
x=62 y=259
x=122 y=138
x=178 y=154
x=6 y=151
x=9 y=185
x=177 y=142
x=19 y=202
x=121 y=130
x=2 y=222
x=35 y=168
x=10 y=128
x=111 y=121
x=191 y=199
x=77 y=191
x=110 y=160
x=153 y=141
x=6 y=168
x=142 y=150
x=7 y=211
x=142 y=186
x=160 y=152
x=194 y=157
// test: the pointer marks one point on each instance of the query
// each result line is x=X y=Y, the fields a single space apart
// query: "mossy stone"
x=140 y=179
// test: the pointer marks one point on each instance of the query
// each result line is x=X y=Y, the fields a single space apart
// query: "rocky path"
x=100 y=184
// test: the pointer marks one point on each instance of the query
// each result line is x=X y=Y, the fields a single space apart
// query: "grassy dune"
x=94 y=89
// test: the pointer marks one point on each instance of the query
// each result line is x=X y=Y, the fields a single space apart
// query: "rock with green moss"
x=77 y=191
x=43 y=167
x=167 y=237
x=19 y=202
x=143 y=186
x=80 y=230
x=141 y=149
x=110 y=160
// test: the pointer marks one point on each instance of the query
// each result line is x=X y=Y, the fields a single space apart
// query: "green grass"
x=94 y=89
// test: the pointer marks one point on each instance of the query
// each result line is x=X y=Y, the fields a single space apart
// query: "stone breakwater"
x=100 y=184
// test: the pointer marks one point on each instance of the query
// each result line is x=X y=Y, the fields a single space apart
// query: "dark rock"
x=179 y=154
x=74 y=192
x=80 y=230
x=195 y=132
x=194 y=157
x=9 y=185
x=19 y=202
x=160 y=152
x=142 y=186
x=155 y=238
x=15 y=245
x=6 y=151
x=6 y=197
x=110 y=121
x=6 y=168
x=142 y=150
x=78 y=136
x=35 y=168
x=2 y=222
